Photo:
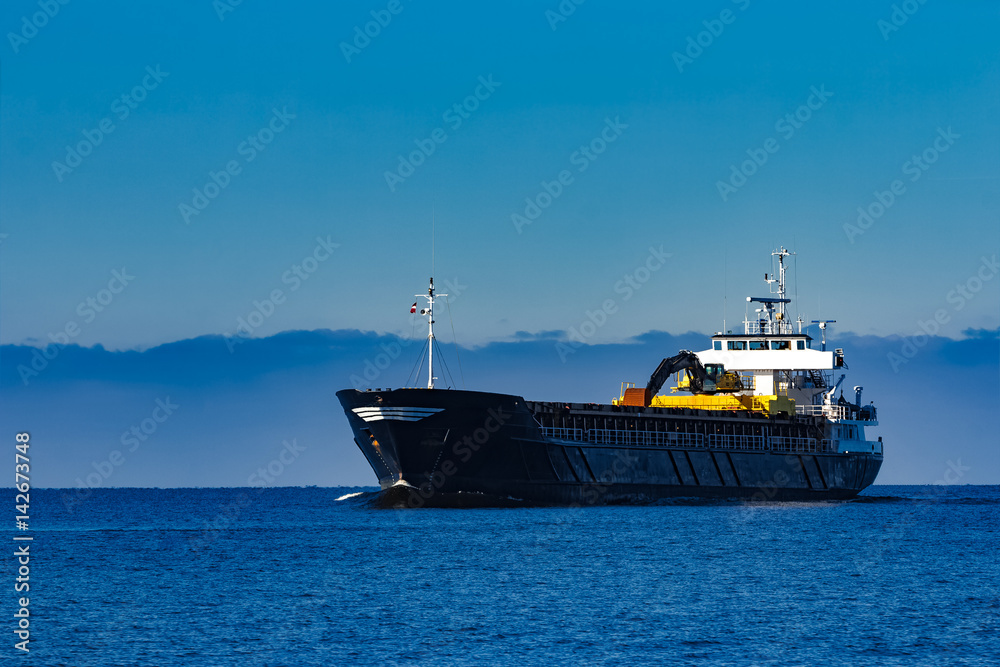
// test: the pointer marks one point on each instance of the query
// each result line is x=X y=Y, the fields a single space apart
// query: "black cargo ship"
x=745 y=432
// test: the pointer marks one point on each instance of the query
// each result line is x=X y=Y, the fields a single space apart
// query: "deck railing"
x=754 y=442
x=786 y=444
x=828 y=411
x=647 y=438
x=865 y=414
x=599 y=436
x=561 y=433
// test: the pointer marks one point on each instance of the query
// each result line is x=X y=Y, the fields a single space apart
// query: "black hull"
x=442 y=447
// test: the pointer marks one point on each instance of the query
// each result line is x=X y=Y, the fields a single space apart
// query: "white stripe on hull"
x=373 y=414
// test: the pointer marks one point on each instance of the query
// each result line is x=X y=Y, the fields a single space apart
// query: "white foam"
x=350 y=495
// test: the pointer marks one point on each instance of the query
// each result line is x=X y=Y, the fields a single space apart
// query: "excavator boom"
x=685 y=360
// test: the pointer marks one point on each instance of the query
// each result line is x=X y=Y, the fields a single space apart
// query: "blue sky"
x=623 y=124
x=324 y=174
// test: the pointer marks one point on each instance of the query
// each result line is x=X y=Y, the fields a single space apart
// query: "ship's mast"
x=430 y=335
x=429 y=312
x=781 y=254
x=769 y=321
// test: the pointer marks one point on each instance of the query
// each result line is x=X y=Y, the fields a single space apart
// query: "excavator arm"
x=686 y=360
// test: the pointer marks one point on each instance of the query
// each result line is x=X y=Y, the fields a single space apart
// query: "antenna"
x=429 y=312
x=798 y=315
x=725 y=281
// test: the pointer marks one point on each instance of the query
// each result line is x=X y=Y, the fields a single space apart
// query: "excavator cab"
x=719 y=379
x=713 y=373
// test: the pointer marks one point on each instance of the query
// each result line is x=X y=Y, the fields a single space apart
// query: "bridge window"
x=717 y=345
x=737 y=345
x=800 y=344
x=758 y=345
x=781 y=344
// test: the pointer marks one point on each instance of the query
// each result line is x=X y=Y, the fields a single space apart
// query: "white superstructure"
x=773 y=357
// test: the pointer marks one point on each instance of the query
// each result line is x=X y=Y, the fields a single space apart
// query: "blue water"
x=901 y=576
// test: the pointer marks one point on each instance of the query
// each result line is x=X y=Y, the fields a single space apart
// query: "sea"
x=901 y=575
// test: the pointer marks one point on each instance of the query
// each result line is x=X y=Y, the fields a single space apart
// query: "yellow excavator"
x=712 y=387
x=698 y=379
